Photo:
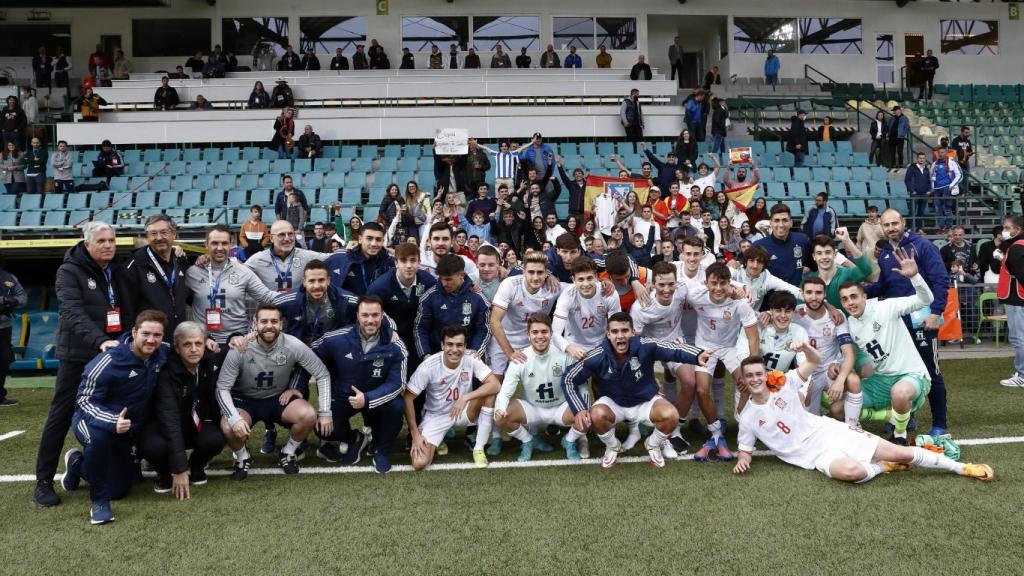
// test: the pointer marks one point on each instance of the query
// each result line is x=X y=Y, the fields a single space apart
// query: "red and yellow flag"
x=618 y=187
x=742 y=196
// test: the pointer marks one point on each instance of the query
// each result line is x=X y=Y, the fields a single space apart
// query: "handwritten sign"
x=451 y=141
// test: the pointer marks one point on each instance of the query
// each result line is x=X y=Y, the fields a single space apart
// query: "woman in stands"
x=258 y=98
x=825 y=132
x=589 y=228
x=534 y=238
x=757 y=212
x=877 y=138
x=728 y=239
x=355 y=224
x=12 y=169
x=724 y=207
x=284 y=136
x=417 y=204
x=707 y=202
x=572 y=224
x=749 y=233
x=89 y=106
x=389 y=205
x=686 y=151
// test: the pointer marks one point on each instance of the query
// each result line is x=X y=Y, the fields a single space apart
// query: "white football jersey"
x=692 y=286
x=774 y=346
x=782 y=424
x=443 y=385
x=824 y=335
x=586 y=320
x=518 y=304
x=718 y=325
x=664 y=322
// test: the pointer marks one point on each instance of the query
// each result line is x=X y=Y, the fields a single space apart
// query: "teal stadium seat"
x=231 y=154
x=33 y=218
x=192 y=154
x=214 y=199
x=30 y=202
x=53 y=201
x=40 y=348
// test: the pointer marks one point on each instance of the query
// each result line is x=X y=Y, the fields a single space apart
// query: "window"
x=830 y=36
x=723 y=38
x=243 y=35
x=970 y=36
x=511 y=32
x=25 y=39
x=420 y=32
x=587 y=33
x=325 y=34
x=575 y=31
x=884 y=58
x=170 y=37
x=758 y=35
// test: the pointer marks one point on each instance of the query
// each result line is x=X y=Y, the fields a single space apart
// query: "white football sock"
x=873 y=469
x=608 y=438
x=521 y=434
x=718 y=394
x=484 y=424
x=242 y=454
x=573 y=435
x=290 y=446
x=655 y=440
x=929 y=459
x=851 y=408
x=716 y=430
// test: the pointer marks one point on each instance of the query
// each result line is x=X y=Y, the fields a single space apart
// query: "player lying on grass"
x=775 y=415
x=447 y=378
x=624 y=369
x=543 y=402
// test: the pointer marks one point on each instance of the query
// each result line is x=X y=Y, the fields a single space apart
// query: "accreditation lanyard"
x=283 y=282
x=114 y=313
x=174 y=272
x=213 y=313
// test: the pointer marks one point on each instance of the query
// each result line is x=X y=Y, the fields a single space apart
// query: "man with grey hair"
x=184 y=414
x=155 y=274
x=280 y=266
x=90 y=290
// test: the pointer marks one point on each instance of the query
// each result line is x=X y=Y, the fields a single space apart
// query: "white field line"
x=494 y=465
x=10 y=435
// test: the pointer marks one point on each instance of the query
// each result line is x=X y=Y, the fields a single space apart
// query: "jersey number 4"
x=546 y=391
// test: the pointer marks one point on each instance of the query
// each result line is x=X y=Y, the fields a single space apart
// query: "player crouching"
x=447 y=378
x=775 y=416
x=543 y=402
x=624 y=368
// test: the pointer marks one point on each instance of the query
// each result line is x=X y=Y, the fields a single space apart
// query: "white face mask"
x=1007 y=235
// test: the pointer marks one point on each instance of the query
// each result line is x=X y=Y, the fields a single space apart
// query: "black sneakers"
x=240 y=470
x=163 y=484
x=330 y=452
x=44 y=495
x=8 y=403
x=289 y=464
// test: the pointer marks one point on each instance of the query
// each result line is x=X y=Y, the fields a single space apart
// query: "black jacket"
x=82 y=292
x=408 y=62
x=290 y=62
x=359 y=61
x=640 y=71
x=148 y=290
x=718 y=118
x=576 y=192
x=339 y=63
x=512 y=235
x=165 y=98
x=281 y=96
x=177 y=391
x=797 y=135
x=310 y=63
x=685 y=151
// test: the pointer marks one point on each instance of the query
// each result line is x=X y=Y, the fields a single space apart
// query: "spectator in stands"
x=90 y=289
x=359 y=60
x=289 y=61
x=825 y=132
x=453 y=60
x=632 y=118
x=868 y=234
x=550 y=59
x=201 y=103
x=98 y=59
x=104 y=76
x=964 y=152
x=310 y=145
x=378 y=59
x=450 y=175
x=89 y=105
x=435 y=60
x=772 y=65
x=897 y=129
x=686 y=151
x=523 y=60
x=538 y=154
x=675 y=60
x=959 y=249
x=408 y=62
x=254 y=235
x=472 y=60
x=14 y=122
x=62 y=163
x=641 y=70
x=122 y=66
x=483 y=203
x=42 y=67
x=918 y=181
x=757 y=211
x=60 y=68
x=730 y=183
x=603 y=58
x=196 y=63
x=165 y=97
x=12 y=168
x=693 y=114
x=821 y=219
x=178 y=74
x=712 y=78
x=30 y=106
x=797 y=142
x=35 y=160
x=318 y=243
x=231 y=62
x=12 y=297
x=500 y=58
x=946 y=177
x=281 y=200
x=108 y=162
x=310 y=61
x=258 y=98
x=282 y=96
x=719 y=125
x=284 y=136
x=296 y=216
x=339 y=62
x=787 y=247
x=877 y=132
x=390 y=205
x=573 y=60
x=927 y=67
x=577 y=186
x=417 y=204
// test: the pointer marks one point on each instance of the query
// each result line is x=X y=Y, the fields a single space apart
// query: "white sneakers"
x=1014 y=381
x=611 y=454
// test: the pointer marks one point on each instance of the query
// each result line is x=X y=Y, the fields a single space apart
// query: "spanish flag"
x=742 y=197
x=619 y=187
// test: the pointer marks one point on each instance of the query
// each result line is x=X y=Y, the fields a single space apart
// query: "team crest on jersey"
x=634 y=363
x=464 y=376
x=798 y=252
x=826 y=331
x=233 y=278
x=379 y=362
x=467 y=308
x=556 y=370
x=330 y=313
x=8 y=284
x=875 y=326
x=280 y=358
x=417 y=290
x=780 y=403
x=544 y=303
x=151 y=278
x=726 y=315
x=602 y=310
x=92 y=284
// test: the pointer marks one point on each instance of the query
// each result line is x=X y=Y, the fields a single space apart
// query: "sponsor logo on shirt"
x=780 y=403
x=133 y=374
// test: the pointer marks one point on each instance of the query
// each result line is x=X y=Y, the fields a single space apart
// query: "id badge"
x=213 y=319
x=196 y=420
x=113 y=320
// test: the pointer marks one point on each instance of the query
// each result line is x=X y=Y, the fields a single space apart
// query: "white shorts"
x=640 y=413
x=819 y=383
x=673 y=366
x=541 y=416
x=725 y=355
x=837 y=440
x=497 y=357
x=435 y=425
